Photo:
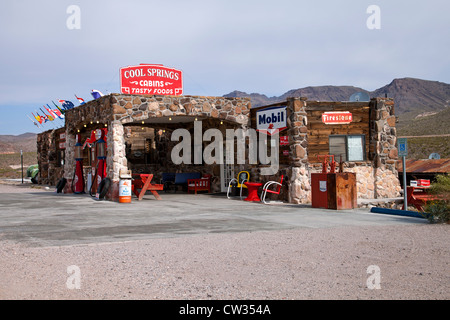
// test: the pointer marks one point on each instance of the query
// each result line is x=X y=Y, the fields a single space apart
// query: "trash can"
x=234 y=189
x=125 y=187
x=319 y=192
x=334 y=190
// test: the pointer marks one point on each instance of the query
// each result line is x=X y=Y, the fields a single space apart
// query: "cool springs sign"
x=151 y=79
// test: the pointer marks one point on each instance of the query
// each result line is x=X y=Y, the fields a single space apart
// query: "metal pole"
x=405 y=200
x=21 y=162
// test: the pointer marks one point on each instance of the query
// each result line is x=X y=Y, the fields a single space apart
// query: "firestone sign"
x=343 y=117
x=151 y=79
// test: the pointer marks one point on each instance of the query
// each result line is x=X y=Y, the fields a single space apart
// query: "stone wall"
x=129 y=108
x=118 y=110
x=383 y=146
x=376 y=177
x=297 y=121
x=50 y=168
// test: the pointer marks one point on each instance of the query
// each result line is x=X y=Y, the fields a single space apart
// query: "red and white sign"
x=151 y=79
x=337 y=117
x=284 y=140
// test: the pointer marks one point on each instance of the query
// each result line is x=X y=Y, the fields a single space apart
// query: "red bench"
x=418 y=197
x=202 y=184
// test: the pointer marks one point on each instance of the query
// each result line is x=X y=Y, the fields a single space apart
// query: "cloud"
x=255 y=46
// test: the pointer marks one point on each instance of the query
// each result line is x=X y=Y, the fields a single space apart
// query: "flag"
x=38 y=118
x=58 y=113
x=44 y=118
x=66 y=104
x=49 y=110
x=80 y=100
x=96 y=94
x=60 y=110
x=48 y=117
x=33 y=121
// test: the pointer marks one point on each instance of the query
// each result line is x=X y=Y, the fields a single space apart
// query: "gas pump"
x=100 y=146
x=78 y=178
x=325 y=163
x=100 y=150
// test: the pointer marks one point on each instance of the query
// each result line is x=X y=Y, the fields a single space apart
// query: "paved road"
x=50 y=219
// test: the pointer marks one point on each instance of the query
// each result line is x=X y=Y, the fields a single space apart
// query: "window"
x=350 y=147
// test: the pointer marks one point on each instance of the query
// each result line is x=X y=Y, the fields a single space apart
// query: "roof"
x=426 y=166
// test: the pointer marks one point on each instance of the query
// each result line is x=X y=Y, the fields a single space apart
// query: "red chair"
x=202 y=184
x=266 y=188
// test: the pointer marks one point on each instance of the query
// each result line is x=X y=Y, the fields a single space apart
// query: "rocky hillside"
x=412 y=96
x=422 y=108
x=13 y=144
x=415 y=97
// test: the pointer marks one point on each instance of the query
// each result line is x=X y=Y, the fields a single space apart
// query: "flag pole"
x=34 y=122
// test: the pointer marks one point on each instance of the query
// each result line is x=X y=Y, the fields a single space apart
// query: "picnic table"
x=418 y=196
x=143 y=181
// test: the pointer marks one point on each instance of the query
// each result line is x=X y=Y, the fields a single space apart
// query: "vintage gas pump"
x=78 y=178
x=100 y=146
x=98 y=150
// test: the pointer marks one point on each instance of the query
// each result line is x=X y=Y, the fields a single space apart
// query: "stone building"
x=139 y=130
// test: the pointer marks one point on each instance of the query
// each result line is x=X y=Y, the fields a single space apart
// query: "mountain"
x=256 y=98
x=412 y=96
x=422 y=108
x=324 y=93
x=415 y=96
x=12 y=144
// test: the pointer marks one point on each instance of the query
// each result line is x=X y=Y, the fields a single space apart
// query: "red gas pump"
x=100 y=145
x=100 y=150
x=78 y=178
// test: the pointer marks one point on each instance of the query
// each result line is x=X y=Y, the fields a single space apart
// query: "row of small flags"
x=51 y=114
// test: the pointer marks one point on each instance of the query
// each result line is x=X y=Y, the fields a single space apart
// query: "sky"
x=50 y=52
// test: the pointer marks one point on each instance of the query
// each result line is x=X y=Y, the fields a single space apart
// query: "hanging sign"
x=284 y=140
x=154 y=79
x=271 y=120
x=337 y=117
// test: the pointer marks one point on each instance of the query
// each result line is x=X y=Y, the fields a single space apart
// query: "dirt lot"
x=352 y=262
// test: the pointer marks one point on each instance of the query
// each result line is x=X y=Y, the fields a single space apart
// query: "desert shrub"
x=438 y=211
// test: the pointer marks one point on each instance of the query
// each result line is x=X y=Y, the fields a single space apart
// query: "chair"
x=242 y=177
x=266 y=189
x=202 y=184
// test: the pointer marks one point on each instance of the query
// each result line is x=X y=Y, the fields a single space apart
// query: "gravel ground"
x=325 y=263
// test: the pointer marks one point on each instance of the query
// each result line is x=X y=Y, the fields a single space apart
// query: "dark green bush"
x=438 y=211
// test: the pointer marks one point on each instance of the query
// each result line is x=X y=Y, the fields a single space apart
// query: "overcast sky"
x=261 y=46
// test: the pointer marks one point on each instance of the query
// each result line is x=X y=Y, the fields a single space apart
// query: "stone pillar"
x=299 y=184
x=116 y=159
x=383 y=148
x=116 y=156
x=69 y=161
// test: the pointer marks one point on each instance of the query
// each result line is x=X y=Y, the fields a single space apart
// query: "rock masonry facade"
x=376 y=177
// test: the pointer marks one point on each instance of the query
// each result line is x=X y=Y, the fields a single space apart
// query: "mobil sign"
x=151 y=79
x=271 y=120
